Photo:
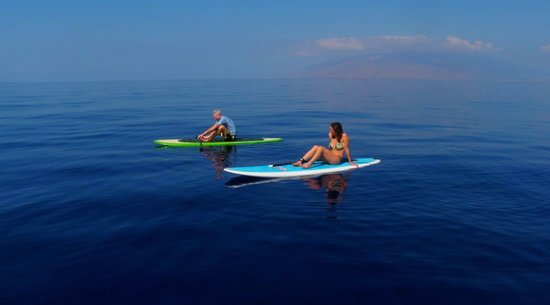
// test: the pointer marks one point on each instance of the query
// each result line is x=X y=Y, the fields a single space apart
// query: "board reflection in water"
x=220 y=157
x=333 y=184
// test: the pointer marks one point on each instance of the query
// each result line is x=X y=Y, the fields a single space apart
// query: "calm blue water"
x=92 y=212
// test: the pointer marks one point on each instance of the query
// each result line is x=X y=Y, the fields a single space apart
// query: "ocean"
x=457 y=212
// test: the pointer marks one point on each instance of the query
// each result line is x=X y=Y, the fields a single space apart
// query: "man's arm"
x=207 y=131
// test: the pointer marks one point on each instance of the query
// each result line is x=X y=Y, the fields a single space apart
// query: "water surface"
x=92 y=212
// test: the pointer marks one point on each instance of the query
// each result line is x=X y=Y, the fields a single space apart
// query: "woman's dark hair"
x=337 y=127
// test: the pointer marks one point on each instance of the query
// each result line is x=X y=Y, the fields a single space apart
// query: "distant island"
x=420 y=66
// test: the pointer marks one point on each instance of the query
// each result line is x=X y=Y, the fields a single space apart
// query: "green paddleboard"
x=197 y=143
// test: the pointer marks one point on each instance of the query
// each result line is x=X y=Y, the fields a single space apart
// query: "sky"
x=89 y=40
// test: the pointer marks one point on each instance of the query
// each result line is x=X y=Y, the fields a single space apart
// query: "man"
x=223 y=126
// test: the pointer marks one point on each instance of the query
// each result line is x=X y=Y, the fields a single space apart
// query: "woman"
x=338 y=144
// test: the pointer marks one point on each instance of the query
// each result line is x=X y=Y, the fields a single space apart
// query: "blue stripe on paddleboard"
x=291 y=168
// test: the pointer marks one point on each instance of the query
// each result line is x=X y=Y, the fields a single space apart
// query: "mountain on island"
x=421 y=66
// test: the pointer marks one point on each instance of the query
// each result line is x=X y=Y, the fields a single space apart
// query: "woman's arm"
x=345 y=141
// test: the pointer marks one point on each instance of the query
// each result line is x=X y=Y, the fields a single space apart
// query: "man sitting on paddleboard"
x=338 y=144
x=223 y=126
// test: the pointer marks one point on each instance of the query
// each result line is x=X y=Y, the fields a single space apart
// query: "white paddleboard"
x=288 y=170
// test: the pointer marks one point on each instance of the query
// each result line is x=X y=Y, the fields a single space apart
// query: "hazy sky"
x=51 y=40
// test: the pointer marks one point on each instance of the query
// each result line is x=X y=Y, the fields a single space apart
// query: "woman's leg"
x=324 y=154
x=307 y=156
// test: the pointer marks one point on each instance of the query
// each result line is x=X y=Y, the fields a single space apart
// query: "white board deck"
x=288 y=170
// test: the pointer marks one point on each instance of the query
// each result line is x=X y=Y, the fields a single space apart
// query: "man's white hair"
x=217 y=111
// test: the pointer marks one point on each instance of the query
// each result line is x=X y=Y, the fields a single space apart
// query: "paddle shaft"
x=286 y=163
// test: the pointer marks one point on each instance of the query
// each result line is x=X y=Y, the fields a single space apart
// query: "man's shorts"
x=230 y=137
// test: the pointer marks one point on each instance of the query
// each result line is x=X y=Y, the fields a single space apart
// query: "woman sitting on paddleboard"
x=338 y=144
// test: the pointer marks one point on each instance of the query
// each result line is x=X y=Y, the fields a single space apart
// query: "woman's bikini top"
x=338 y=146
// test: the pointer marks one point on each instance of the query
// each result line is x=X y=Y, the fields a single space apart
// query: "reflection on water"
x=240 y=181
x=334 y=185
x=221 y=157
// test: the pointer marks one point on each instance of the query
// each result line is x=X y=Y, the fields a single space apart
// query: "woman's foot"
x=299 y=162
x=306 y=165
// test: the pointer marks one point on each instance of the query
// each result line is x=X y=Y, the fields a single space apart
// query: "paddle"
x=287 y=163
x=279 y=164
